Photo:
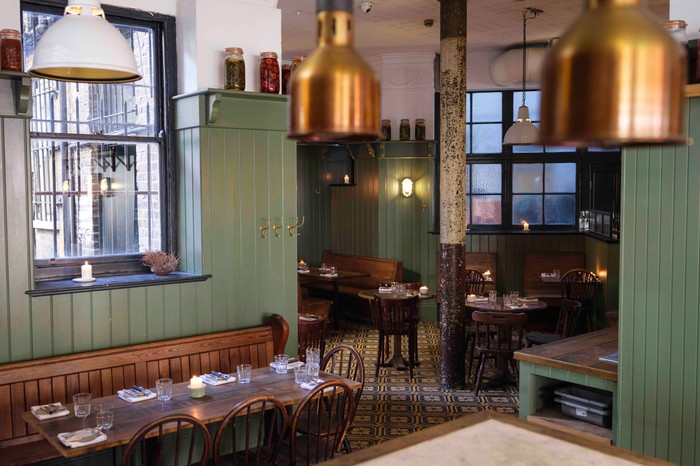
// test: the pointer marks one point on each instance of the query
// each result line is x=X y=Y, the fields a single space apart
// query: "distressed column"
x=453 y=88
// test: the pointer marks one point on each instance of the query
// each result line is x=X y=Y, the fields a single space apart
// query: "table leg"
x=397 y=359
x=335 y=304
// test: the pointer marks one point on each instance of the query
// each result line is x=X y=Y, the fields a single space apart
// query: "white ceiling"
x=396 y=26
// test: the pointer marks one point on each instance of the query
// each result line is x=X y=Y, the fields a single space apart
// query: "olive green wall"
x=659 y=371
x=313 y=201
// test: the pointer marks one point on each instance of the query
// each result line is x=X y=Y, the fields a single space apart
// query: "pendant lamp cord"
x=528 y=13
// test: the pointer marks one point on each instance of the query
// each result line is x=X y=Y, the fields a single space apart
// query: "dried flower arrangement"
x=160 y=262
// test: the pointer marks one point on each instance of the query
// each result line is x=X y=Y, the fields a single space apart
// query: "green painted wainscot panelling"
x=313 y=204
x=659 y=377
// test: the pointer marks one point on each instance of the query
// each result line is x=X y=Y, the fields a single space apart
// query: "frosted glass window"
x=527 y=178
x=469 y=139
x=560 y=178
x=528 y=208
x=486 y=178
x=487 y=138
x=532 y=100
x=560 y=209
x=487 y=106
x=486 y=210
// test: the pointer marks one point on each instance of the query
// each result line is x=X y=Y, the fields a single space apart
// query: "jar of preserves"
x=286 y=73
x=269 y=73
x=235 y=69
x=10 y=50
x=386 y=130
x=404 y=130
x=676 y=28
x=419 y=131
x=296 y=61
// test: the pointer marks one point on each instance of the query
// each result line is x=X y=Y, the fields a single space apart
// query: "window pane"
x=560 y=209
x=487 y=139
x=560 y=177
x=469 y=108
x=555 y=149
x=487 y=106
x=467 y=183
x=532 y=100
x=528 y=208
x=486 y=210
x=527 y=178
x=469 y=211
x=469 y=139
x=486 y=178
x=95 y=199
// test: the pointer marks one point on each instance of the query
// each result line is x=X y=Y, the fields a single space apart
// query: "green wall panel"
x=313 y=203
x=659 y=302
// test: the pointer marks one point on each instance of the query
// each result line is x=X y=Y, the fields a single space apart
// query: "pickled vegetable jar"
x=404 y=130
x=235 y=69
x=419 y=131
x=10 y=50
x=269 y=73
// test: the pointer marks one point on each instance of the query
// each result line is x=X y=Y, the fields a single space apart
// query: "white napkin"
x=58 y=411
x=304 y=271
x=528 y=300
x=308 y=318
x=65 y=436
x=134 y=399
x=290 y=365
x=481 y=299
x=384 y=289
x=210 y=379
x=329 y=274
x=310 y=385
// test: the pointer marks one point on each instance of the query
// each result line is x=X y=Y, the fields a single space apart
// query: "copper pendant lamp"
x=334 y=93
x=615 y=78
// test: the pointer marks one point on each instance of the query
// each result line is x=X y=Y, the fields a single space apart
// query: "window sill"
x=56 y=287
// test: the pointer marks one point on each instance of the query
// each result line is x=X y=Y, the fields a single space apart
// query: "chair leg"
x=479 y=373
x=411 y=349
x=471 y=343
x=346 y=445
x=380 y=354
x=514 y=366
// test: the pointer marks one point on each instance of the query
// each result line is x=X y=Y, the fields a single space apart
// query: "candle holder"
x=197 y=392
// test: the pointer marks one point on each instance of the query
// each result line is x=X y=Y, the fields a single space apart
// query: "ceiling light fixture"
x=83 y=47
x=616 y=77
x=523 y=132
x=334 y=92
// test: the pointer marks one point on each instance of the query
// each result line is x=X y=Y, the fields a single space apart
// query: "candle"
x=196 y=382
x=526 y=226
x=471 y=298
x=423 y=290
x=86 y=271
x=346 y=178
x=487 y=274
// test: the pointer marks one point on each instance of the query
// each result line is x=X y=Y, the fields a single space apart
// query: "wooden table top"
x=484 y=306
x=213 y=407
x=577 y=354
x=315 y=273
x=369 y=294
x=492 y=438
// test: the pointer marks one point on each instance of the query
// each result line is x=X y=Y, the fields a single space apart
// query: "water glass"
x=492 y=298
x=81 y=405
x=104 y=418
x=556 y=273
x=507 y=300
x=300 y=374
x=333 y=270
x=313 y=356
x=244 y=373
x=164 y=389
x=514 y=295
x=323 y=268
x=281 y=361
x=312 y=370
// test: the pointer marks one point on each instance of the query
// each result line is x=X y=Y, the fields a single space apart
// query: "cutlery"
x=219 y=375
x=52 y=408
x=133 y=393
x=85 y=435
x=141 y=390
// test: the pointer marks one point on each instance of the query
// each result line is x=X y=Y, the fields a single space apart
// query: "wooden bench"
x=103 y=372
x=350 y=304
x=481 y=261
x=535 y=263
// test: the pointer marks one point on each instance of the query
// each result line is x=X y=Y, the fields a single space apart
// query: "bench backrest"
x=380 y=270
x=103 y=372
x=535 y=263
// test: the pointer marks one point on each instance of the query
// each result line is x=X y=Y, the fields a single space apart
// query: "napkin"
x=49 y=411
x=81 y=438
x=329 y=274
x=126 y=396
x=211 y=379
x=528 y=300
x=384 y=289
x=290 y=365
x=482 y=299
x=310 y=385
x=304 y=271
x=309 y=317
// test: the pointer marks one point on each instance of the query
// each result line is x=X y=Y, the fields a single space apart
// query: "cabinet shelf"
x=692 y=90
x=22 y=90
x=552 y=417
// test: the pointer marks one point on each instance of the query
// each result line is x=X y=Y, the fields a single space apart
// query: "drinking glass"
x=312 y=370
x=81 y=405
x=281 y=361
x=323 y=268
x=300 y=374
x=313 y=356
x=104 y=418
x=556 y=273
x=164 y=389
x=492 y=298
x=333 y=270
x=244 y=373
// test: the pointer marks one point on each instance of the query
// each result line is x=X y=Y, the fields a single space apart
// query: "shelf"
x=22 y=89
x=343 y=185
x=692 y=90
x=553 y=418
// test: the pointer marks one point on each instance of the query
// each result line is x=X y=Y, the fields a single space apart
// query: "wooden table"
x=488 y=438
x=315 y=273
x=130 y=417
x=397 y=360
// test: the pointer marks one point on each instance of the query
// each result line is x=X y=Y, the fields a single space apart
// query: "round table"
x=397 y=360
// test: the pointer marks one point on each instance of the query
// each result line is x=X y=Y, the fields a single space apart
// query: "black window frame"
x=166 y=72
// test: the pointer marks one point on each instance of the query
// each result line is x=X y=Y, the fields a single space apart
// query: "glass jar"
x=235 y=69
x=269 y=73
x=10 y=50
x=296 y=61
x=404 y=130
x=676 y=28
x=419 y=132
x=286 y=74
x=386 y=130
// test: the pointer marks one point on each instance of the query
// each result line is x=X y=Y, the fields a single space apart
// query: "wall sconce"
x=66 y=187
x=106 y=186
x=406 y=187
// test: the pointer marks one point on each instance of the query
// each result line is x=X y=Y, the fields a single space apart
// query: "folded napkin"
x=49 y=411
x=310 y=385
x=304 y=271
x=329 y=274
x=132 y=397
x=81 y=438
x=515 y=306
x=482 y=299
x=528 y=300
x=290 y=365
x=308 y=318
x=384 y=289
x=211 y=379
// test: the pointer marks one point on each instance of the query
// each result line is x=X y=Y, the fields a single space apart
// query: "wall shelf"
x=692 y=90
x=22 y=90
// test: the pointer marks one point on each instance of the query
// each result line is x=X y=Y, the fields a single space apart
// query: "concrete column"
x=453 y=78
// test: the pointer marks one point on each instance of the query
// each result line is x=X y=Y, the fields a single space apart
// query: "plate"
x=84 y=280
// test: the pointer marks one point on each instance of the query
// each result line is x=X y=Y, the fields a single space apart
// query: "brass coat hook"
x=263 y=228
x=296 y=225
x=277 y=227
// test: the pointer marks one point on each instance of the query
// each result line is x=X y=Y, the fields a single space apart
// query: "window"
x=99 y=154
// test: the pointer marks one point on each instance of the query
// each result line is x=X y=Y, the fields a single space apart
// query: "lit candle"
x=346 y=178
x=196 y=382
x=471 y=298
x=526 y=226
x=86 y=271
x=423 y=290
x=487 y=274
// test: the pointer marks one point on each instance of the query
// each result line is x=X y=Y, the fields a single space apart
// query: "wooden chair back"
x=568 y=318
x=256 y=427
x=188 y=432
x=412 y=286
x=479 y=261
x=345 y=361
x=535 y=263
x=280 y=332
x=322 y=434
x=397 y=316
x=500 y=341
x=312 y=334
x=581 y=285
x=475 y=282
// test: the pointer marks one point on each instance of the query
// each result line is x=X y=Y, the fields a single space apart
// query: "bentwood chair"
x=184 y=433
x=566 y=325
x=398 y=317
x=314 y=437
x=256 y=428
x=582 y=286
x=499 y=345
x=475 y=282
x=312 y=334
